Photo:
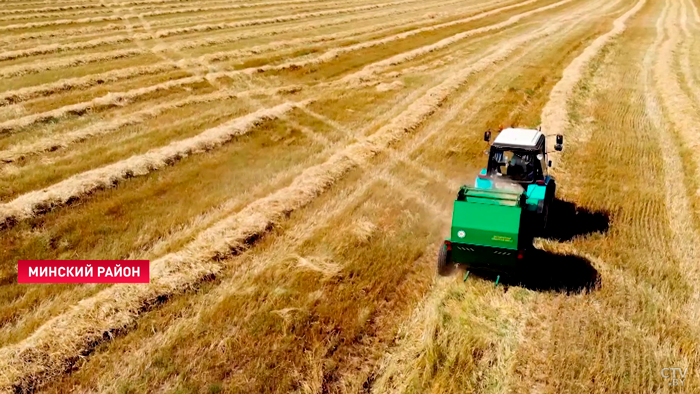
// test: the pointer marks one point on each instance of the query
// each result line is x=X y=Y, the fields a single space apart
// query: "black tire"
x=444 y=263
x=549 y=200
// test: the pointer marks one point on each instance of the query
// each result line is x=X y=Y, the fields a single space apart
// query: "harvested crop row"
x=41 y=11
x=371 y=69
x=27 y=93
x=61 y=22
x=46 y=354
x=334 y=53
x=108 y=176
x=50 y=9
x=278 y=19
x=97 y=42
x=555 y=114
x=115 y=98
x=52 y=143
x=54 y=48
x=63 y=33
x=108 y=100
x=33 y=68
x=125 y=3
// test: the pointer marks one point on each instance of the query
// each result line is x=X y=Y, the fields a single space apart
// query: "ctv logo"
x=676 y=375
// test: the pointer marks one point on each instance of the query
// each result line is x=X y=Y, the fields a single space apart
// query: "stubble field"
x=289 y=168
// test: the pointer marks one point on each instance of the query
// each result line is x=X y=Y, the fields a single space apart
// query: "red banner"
x=83 y=271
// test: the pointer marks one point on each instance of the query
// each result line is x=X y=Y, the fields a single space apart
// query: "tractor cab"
x=517 y=156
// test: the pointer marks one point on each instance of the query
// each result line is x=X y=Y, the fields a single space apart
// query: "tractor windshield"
x=516 y=165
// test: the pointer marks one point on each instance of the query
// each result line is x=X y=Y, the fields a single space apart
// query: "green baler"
x=495 y=221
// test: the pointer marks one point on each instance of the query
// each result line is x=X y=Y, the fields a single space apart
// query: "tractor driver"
x=521 y=167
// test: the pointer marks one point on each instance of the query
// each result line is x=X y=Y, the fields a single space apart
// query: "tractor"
x=495 y=221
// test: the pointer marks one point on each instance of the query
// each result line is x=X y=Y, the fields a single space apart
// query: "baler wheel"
x=444 y=263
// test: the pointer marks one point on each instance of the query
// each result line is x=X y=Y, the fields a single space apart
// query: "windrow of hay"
x=61 y=22
x=56 y=345
x=88 y=9
x=108 y=100
x=369 y=70
x=23 y=94
x=49 y=9
x=267 y=21
x=30 y=92
x=54 y=142
x=82 y=184
x=228 y=38
x=46 y=15
x=121 y=98
x=335 y=52
x=124 y=3
x=54 y=48
x=171 y=11
x=62 y=34
x=555 y=116
x=73 y=61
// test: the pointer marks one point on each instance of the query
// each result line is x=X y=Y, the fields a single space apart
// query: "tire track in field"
x=112 y=99
x=685 y=60
x=45 y=354
x=555 y=115
x=419 y=332
x=679 y=212
x=681 y=112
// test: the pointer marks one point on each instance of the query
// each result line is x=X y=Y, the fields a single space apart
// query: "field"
x=289 y=169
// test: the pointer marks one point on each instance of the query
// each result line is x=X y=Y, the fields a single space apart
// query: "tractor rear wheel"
x=548 y=201
x=444 y=263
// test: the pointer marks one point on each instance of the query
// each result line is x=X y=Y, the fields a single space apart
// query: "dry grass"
x=289 y=166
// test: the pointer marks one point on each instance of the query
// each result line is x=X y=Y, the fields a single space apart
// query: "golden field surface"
x=289 y=167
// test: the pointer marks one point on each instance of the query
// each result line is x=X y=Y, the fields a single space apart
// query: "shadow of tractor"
x=546 y=271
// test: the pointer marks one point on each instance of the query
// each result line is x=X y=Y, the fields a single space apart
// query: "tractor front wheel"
x=444 y=263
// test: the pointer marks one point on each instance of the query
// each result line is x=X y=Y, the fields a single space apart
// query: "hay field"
x=289 y=168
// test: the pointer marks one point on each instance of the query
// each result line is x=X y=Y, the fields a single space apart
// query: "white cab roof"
x=518 y=137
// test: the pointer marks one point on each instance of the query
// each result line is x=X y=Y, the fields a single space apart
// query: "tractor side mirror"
x=560 y=142
x=487 y=135
x=549 y=163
